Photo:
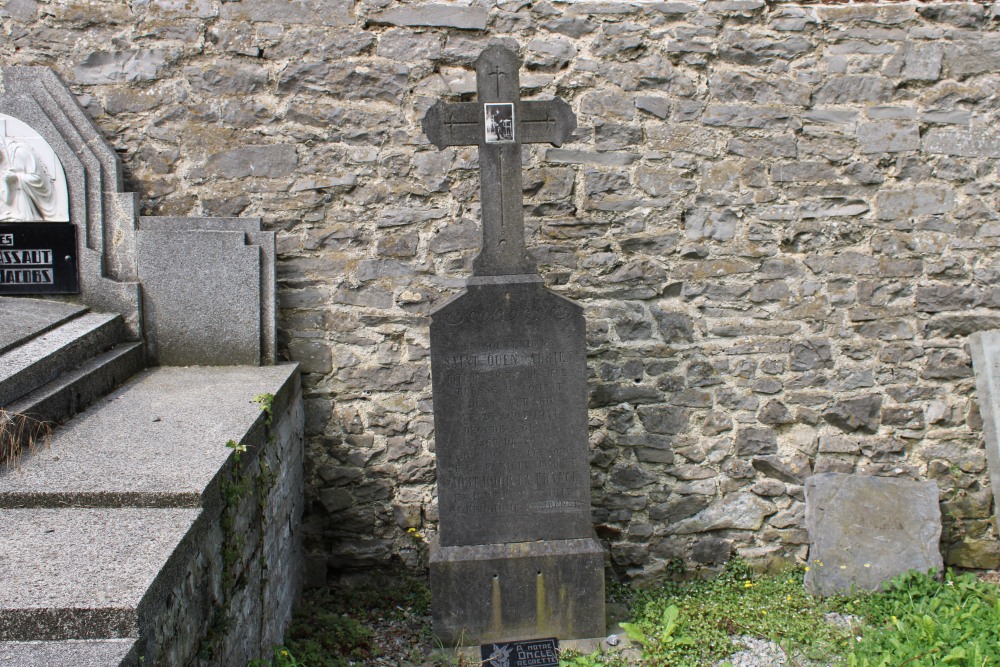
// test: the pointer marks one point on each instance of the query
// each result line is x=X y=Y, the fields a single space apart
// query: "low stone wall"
x=780 y=218
x=230 y=586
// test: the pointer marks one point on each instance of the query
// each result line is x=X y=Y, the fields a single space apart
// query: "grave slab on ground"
x=863 y=531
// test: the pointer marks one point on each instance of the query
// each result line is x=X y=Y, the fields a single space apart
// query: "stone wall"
x=780 y=219
x=237 y=574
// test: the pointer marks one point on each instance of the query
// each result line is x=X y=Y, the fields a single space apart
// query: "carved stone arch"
x=104 y=215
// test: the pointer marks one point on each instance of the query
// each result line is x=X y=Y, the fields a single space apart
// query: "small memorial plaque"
x=499 y=123
x=38 y=258
x=530 y=653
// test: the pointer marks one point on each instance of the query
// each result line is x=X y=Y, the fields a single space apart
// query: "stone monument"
x=515 y=556
x=198 y=291
x=985 y=348
x=863 y=531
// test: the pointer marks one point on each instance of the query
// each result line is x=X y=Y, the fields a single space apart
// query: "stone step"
x=85 y=573
x=112 y=531
x=157 y=441
x=43 y=358
x=69 y=653
x=25 y=318
x=73 y=391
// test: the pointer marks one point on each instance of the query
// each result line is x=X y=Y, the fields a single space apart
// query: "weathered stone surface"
x=985 y=348
x=913 y=202
x=962 y=143
x=739 y=511
x=712 y=550
x=855 y=414
x=755 y=441
x=443 y=16
x=888 y=136
x=311 y=12
x=865 y=530
x=121 y=66
x=270 y=161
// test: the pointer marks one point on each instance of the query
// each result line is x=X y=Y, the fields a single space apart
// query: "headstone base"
x=505 y=592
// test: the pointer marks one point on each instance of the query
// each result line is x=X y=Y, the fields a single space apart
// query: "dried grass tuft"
x=20 y=433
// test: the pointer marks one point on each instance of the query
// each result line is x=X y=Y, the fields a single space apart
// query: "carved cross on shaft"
x=499 y=122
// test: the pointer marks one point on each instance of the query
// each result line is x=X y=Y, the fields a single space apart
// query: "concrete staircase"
x=111 y=551
x=58 y=358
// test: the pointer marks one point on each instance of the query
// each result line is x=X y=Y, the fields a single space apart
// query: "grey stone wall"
x=780 y=218
x=241 y=568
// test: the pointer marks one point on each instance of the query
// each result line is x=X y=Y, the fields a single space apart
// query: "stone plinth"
x=502 y=592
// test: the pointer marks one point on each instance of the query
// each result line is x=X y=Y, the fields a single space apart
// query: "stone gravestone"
x=515 y=556
x=985 y=347
x=863 y=531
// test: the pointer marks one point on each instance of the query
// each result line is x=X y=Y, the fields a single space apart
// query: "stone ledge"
x=81 y=573
x=71 y=653
x=117 y=453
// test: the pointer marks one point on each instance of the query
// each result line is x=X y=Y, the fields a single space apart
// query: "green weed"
x=691 y=623
x=921 y=622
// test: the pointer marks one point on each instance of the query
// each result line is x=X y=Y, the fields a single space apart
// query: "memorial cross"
x=499 y=122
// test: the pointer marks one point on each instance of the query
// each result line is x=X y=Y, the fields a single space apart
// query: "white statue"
x=32 y=183
x=26 y=189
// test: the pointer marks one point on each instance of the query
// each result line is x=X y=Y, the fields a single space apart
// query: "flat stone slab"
x=985 y=348
x=24 y=319
x=69 y=653
x=64 y=575
x=113 y=454
x=864 y=531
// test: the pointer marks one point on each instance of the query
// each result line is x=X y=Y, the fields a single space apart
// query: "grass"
x=19 y=433
x=918 y=621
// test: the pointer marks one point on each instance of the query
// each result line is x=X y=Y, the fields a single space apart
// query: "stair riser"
x=18 y=382
x=67 y=395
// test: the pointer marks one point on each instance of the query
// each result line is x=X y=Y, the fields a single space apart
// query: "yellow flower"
x=807 y=568
x=747 y=584
x=868 y=564
x=788 y=598
x=843 y=567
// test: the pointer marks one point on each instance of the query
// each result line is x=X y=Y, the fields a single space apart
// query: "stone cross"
x=499 y=122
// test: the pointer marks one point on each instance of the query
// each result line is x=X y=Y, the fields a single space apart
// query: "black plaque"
x=38 y=258
x=528 y=653
x=510 y=416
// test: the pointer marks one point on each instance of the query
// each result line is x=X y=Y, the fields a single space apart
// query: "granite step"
x=115 y=453
x=104 y=524
x=44 y=357
x=85 y=573
x=71 y=392
x=25 y=318
x=69 y=653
